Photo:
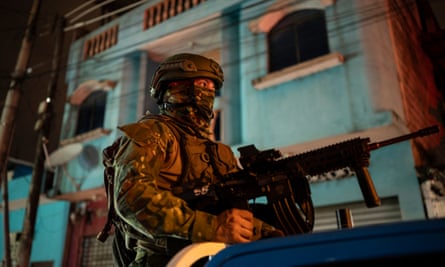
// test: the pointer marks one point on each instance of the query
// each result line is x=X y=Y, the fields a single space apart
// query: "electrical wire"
x=88 y=22
x=331 y=30
x=111 y=70
x=84 y=5
x=90 y=10
x=368 y=14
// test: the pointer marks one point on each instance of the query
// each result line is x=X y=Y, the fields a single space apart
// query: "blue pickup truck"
x=421 y=243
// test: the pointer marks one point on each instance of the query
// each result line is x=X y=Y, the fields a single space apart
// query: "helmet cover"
x=184 y=66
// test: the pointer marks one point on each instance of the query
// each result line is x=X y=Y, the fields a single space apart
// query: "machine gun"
x=283 y=180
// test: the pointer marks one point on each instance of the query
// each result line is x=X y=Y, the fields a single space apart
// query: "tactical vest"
x=203 y=162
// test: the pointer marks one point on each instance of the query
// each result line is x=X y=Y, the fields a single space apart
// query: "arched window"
x=298 y=37
x=91 y=112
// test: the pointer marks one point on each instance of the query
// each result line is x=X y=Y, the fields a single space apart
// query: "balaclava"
x=190 y=104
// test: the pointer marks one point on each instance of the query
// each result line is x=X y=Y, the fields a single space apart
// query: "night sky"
x=34 y=89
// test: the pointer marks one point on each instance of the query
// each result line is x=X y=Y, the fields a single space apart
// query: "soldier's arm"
x=144 y=201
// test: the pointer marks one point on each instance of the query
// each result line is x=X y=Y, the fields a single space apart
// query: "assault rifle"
x=283 y=180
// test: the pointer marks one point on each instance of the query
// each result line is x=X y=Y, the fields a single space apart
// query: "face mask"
x=189 y=102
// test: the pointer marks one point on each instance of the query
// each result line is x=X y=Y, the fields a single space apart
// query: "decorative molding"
x=21 y=203
x=166 y=9
x=282 y=8
x=299 y=70
x=267 y=22
x=327 y=3
x=86 y=88
x=101 y=42
x=83 y=195
x=94 y=134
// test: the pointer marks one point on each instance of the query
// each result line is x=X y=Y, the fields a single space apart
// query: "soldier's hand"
x=234 y=226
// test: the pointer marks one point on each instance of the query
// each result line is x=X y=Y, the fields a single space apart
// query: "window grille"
x=96 y=253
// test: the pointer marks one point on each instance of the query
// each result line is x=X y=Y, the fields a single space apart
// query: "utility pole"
x=7 y=240
x=44 y=127
x=7 y=121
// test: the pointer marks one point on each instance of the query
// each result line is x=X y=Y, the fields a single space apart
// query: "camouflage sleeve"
x=142 y=196
x=142 y=199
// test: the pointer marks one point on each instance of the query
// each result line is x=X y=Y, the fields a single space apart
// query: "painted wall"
x=360 y=95
x=331 y=102
x=50 y=228
x=339 y=101
x=334 y=102
x=348 y=98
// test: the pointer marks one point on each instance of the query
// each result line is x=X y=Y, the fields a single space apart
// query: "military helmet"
x=184 y=66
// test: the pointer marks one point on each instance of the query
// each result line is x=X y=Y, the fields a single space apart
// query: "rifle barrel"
x=422 y=132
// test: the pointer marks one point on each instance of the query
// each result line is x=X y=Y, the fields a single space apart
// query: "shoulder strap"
x=108 y=157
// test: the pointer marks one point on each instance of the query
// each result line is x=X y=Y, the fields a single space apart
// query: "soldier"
x=166 y=151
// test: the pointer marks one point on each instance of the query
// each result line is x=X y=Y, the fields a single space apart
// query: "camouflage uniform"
x=153 y=156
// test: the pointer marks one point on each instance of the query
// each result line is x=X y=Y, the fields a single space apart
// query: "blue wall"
x=50 y=228
x=334 y=102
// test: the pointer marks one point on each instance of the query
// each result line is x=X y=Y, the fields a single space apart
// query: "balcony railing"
x=100 y=42
x=153 y=15
x=165 y=10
